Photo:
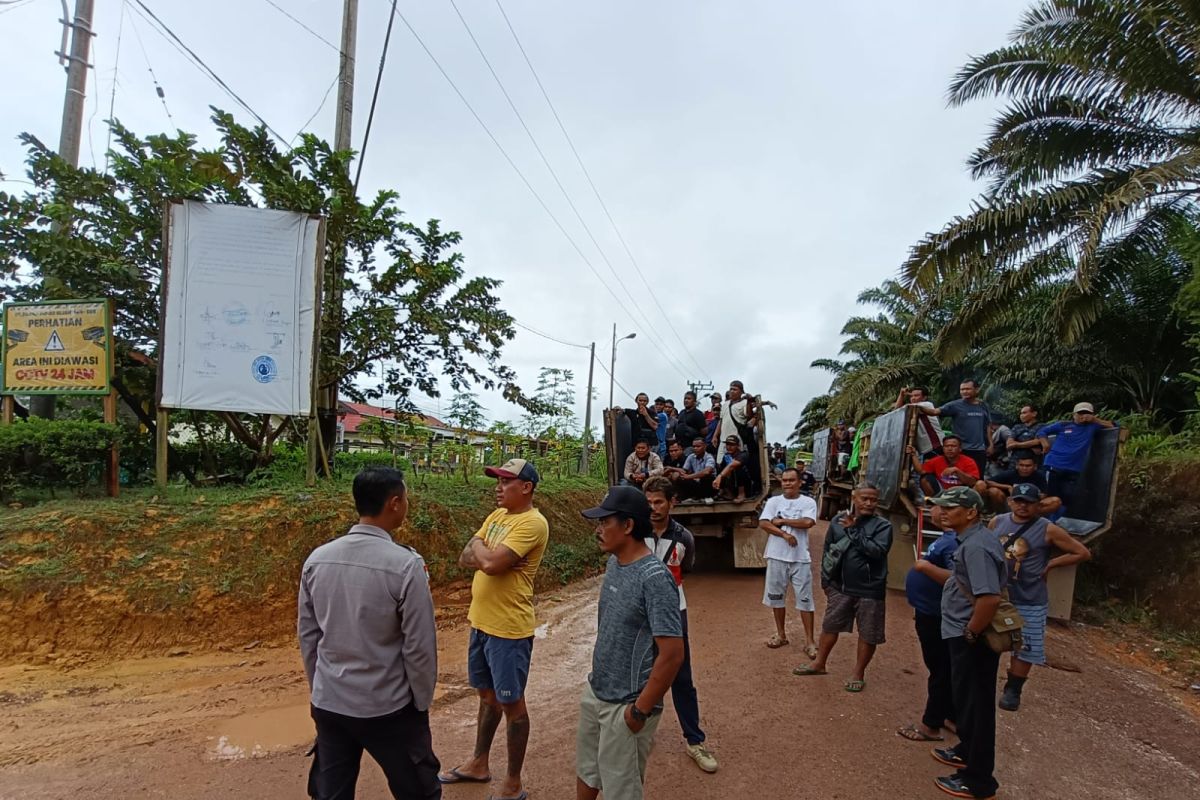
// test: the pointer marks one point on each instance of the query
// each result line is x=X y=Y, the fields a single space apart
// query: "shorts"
x=499 y=664
x=1033 y=634
x=779 y=575
x=609 y=756
x=842 y=611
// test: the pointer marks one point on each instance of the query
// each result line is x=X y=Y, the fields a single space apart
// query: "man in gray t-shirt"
x=639 y=648
x=971 y=419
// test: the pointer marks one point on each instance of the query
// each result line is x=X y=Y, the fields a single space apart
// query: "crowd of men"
x=368 y=638
x=707 y=455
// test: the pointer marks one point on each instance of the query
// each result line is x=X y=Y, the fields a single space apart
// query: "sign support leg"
x=161 y=424
x=314 y=442
x=6 y=414
x=113 y=472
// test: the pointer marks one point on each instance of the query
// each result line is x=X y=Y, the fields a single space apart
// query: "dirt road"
x=235 y=724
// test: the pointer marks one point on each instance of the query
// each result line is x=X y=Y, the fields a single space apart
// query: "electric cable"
x=324 y=100
x=158 y=89
x=660 y=341
x=551 y=338
x=287 y=14
x=362 y=153
x=174 y=39
x=587 y=174
x=566 y=234
x=112 y=100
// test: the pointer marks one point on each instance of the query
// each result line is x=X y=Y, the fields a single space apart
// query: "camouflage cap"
x=962 y=496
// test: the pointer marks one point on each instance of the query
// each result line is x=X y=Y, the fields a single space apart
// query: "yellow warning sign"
x=56 y=347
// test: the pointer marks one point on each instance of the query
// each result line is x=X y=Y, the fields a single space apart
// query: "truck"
x=726 y=531
x=889 y=469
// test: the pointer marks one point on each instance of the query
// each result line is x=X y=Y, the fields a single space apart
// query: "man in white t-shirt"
x=929 y=434
x=786 y=518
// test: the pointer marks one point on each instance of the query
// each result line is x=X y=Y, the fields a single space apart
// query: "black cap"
x=1027 y=492
x=620 y=500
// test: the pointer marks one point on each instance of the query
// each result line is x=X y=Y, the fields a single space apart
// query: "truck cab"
x=724 y=529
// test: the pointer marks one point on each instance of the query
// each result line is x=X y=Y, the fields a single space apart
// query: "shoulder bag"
x=1003 y=633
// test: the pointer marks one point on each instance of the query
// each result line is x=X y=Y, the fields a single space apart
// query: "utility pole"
x=71 y=131
x=587 y=414
x=612 y=365
x=700 y=386
x=343 y=127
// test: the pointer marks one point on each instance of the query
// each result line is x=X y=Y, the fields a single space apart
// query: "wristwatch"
x=971 y=636
x=637 y=713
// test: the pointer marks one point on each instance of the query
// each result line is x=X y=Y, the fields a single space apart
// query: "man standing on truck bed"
x=786 y=518
x=854 y=576
x=1068 y=455
x=505 y=553
x=971 y=419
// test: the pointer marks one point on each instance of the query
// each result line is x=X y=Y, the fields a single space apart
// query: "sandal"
x=915 y=734
x=811 y=652
x=777 y=641
x=807 y=669
x=855 y=686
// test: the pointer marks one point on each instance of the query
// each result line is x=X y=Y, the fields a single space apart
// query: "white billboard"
x=240 y=305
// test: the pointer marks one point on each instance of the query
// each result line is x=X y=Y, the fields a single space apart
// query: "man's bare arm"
x=662 y=675
x=490 y=561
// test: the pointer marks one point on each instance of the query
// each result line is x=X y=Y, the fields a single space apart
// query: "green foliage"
x=54 y=454
x=466 y=413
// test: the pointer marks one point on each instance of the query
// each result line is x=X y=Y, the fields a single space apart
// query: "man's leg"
x=863 y=656
x=509 y=660
x=338 y=756
x=1033 y=651
x=869 y=614
x=980 y=459
x=939 y=705
x=402 y=745
x=802 y=589
x=1048 y=506
x=686 y=702
x=587 y=747
x=973 y=673
x=839 y=618
x=1061 y=484
x=517 y=735
x=623 y=754
x=479 y=675
x=930 y=485
x=775 y=598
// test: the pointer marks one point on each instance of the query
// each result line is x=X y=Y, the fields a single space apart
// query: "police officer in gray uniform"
x=369 y=645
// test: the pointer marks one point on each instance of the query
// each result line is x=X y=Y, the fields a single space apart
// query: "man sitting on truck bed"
x=996 y=490
x=695 y=481
x=734 y=476
x=641 y=464
x=952 y=468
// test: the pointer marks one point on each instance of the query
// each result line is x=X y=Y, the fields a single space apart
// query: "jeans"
x=973 y=671
x=400 y=742
x=683 y=692
x=980 y=459
x=939 y=702
x=1060 y=483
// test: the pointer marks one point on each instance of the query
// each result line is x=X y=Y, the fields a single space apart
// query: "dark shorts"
x=842 y=612
x=499 y=664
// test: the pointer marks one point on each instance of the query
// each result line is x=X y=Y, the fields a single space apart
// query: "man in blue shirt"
x=923 y=586
x=1068 y=455
x=971 y=419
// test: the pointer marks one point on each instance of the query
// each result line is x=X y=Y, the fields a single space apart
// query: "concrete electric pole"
x=71 y=132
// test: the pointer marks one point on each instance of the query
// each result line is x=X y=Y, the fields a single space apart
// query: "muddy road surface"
x=235 y=724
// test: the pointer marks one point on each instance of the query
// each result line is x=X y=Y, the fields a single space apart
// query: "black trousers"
x=399 y=742
x=973 y=671
x=683 y=692
x=939 y=702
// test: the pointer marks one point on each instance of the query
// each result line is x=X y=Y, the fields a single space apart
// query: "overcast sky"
x=764 y=161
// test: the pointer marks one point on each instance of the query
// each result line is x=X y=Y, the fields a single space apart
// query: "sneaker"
x=954 y=786
x=704 y=759
x=949 y=757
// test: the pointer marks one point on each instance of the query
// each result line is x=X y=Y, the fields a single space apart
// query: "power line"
x=179 y=44
x=551 y=338
x=324 y=100
x=661 y=342
x=579 y=160
x=387 y=40
x=566 y=234
x=287 y=14
x=112 y=100
x=158 y=89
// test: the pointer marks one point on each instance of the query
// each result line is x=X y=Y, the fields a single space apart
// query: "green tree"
x=555 y=396
x=409 y=310
x=466 y=412
x=1094 y=160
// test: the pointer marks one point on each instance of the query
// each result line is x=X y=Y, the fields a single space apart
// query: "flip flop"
x=777 y=641
x=915 y=734
x=522 y=796
x=806 y=669
x=855 y=686
x=811 y=652
x=454 y=776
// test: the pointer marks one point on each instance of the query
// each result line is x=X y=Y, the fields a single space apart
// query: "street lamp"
x=612 y=370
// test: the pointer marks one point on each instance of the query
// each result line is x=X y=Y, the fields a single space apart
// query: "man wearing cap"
x=639 y=649
x=505 y=553
x=1068 y=455
x=734 y=473
x=369 y=644
x=970 y=598
x=1028 y=540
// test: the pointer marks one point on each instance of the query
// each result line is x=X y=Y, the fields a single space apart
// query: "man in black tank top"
x=1029 y=542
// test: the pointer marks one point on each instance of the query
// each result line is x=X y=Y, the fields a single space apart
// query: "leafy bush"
x=54 y=454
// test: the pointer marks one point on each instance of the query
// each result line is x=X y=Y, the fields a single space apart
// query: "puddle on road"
x=265 y=733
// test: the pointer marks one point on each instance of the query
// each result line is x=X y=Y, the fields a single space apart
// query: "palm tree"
x=1094 y=161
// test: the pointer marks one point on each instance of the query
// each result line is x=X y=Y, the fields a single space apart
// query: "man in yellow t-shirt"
x=505 y=553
